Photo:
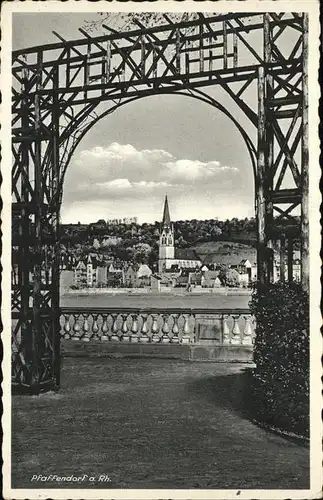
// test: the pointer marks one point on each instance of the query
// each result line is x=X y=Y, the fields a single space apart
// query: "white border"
x=310 y=6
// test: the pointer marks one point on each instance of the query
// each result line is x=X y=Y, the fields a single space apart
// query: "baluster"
x=67 y=327
x=254 y=326
x=144 y=329
x=154 y=330
x=226 y=331
x=236 y=334
x=165 y=330
x=115 y=328
x=175 y=329
x=86 y=329
x=247 y=332
x=194 y=330
x=76 y=328
x=186 y=338
x=124 y=328
x=105 y=327
x=95 y=327
x=134 y=328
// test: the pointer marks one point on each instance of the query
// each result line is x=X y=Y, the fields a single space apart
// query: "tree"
x=96 y=244
x=141 y=253
x=128 y=20
x=216 y=231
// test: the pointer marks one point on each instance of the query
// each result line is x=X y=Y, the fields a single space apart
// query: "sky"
x=169 y=144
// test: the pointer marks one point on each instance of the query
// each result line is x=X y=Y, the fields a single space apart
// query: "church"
x=169 y=256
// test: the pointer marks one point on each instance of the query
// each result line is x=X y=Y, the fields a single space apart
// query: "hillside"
x=225 y=252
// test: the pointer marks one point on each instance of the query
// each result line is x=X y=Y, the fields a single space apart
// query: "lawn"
x=150 y=423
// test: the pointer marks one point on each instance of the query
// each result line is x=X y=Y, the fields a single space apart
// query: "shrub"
x=280 y=387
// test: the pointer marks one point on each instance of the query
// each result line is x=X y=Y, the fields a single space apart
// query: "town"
x=173 y=268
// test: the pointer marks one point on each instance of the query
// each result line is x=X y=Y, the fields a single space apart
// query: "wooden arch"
x=56 y=90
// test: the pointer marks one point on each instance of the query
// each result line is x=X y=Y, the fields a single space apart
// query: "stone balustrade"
x=171 y=326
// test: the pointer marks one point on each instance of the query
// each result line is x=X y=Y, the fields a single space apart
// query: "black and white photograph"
x=161 y=239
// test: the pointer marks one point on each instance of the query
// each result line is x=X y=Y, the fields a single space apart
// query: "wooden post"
x=305 y=271
x=290 y=259
x=270 y=261
x=187 y=63
x=235 y=50
x=201 y=49
x=260 y=181
x=104 y=71
x=25 y=237
x=87 y=69
x=68 y=68
x=108 y=56
x=142 y=56
x=155 y=60
x=282 y=257
x=225 y=45
x=55 y=264
x=178 y=53
x=210 y=57
x=37 y=257
x=270 y=146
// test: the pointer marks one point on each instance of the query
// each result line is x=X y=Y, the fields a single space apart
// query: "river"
x=163 y=301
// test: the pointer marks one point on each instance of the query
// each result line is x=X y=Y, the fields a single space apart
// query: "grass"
x=150 y=423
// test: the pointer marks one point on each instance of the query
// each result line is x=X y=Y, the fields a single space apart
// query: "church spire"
x=166 y=216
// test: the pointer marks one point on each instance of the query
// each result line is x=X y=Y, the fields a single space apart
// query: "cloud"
x=188 y=170
x=122 y=160
x=125 y=184
x=142 y=167
x=151 y=184
x=123 y=174
x=115 y=184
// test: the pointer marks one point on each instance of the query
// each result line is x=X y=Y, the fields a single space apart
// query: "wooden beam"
x=225 y=45
x=290 y=251
x=282 y=257
x=262 y=271
x=235 y=50
x=269 y=174
x=159 y=29
x=178 y=51
x=305 y=270
x=56 y=195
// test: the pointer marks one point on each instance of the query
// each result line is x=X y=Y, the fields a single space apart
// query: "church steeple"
x=166 y=216
x=166 y=240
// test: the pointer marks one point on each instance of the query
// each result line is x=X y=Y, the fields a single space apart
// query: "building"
x=143 y=276
x=125 y=220
x=168 y=255
x=130 y=276
x=89 y=273
x=115 y=276
x=210 y=279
